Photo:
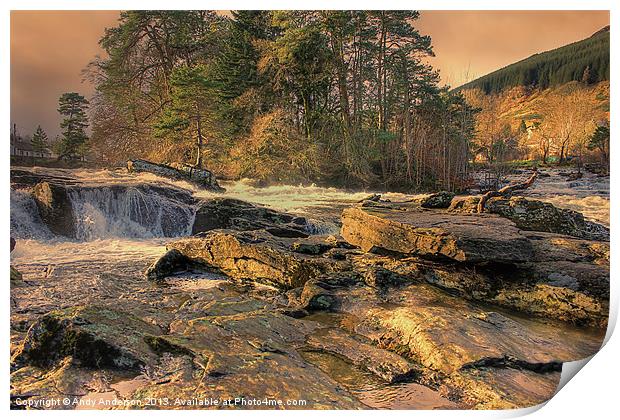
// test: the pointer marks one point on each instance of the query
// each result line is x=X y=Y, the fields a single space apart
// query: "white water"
x=133 y=213
x=588 y=195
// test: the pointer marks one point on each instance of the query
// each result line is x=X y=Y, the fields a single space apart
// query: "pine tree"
x=193 y=107
x=39 y=141
x=600 y=141
x=73 y=107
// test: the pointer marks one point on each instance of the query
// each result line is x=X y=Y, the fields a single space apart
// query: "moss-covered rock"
x=545 y=217
x=439 y=200
x=95 y=336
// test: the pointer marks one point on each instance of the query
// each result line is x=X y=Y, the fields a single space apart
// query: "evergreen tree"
x=586 y=77
x=600 y=141
x=193 y=107
x=39 y=141
x=72 y=106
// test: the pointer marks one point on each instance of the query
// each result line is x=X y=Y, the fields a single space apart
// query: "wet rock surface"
x=412 y=307
x=55 y=208
x=255 y=255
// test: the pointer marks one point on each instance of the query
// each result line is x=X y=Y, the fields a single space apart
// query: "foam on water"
x=59 y=251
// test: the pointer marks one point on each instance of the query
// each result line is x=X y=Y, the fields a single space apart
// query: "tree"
x=600 y=141
x=133 y=80
x=72 y=106
x=586 y=77
x=39 y=141
x=193 y=107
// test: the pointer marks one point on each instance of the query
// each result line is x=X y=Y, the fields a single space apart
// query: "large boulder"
x=545 y=217
x=55 y=208
x=255 y=255
x=464 y=238
x=229 y=213
x=439 y=200
x=197 y=176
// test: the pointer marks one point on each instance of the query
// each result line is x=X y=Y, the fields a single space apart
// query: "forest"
x=335 y=97
x=586 y=60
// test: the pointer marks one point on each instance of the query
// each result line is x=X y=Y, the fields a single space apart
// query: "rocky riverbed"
x=136 y=292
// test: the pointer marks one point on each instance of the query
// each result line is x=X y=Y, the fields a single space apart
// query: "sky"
x=49 y=50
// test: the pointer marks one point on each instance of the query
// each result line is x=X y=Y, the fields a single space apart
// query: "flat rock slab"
x=249 y=355
x=464 y=238
x=446 y=334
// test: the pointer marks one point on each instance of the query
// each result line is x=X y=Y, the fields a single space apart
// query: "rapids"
x=117 y=225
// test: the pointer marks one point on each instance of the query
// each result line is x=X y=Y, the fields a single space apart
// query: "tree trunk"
x=199 y=145
x=505 y=191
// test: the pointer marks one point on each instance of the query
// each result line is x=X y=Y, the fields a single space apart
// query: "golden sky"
x=49 y=49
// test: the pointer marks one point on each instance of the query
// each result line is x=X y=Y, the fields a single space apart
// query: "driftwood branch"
x=505 y=191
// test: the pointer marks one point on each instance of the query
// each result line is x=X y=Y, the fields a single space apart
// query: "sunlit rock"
x=434 y=234
x=255 y=255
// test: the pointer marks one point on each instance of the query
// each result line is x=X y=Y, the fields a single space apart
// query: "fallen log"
x=197 y=176
x=508 y=189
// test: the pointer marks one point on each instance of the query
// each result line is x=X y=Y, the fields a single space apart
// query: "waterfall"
x=114 y=211
x=129 y=212
x=25 y=220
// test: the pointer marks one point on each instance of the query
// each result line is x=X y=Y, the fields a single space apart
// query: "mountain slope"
x=585 y=60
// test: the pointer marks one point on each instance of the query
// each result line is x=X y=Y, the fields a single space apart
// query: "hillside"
x=530 y=123
x=585 y=60
x=531 y=105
